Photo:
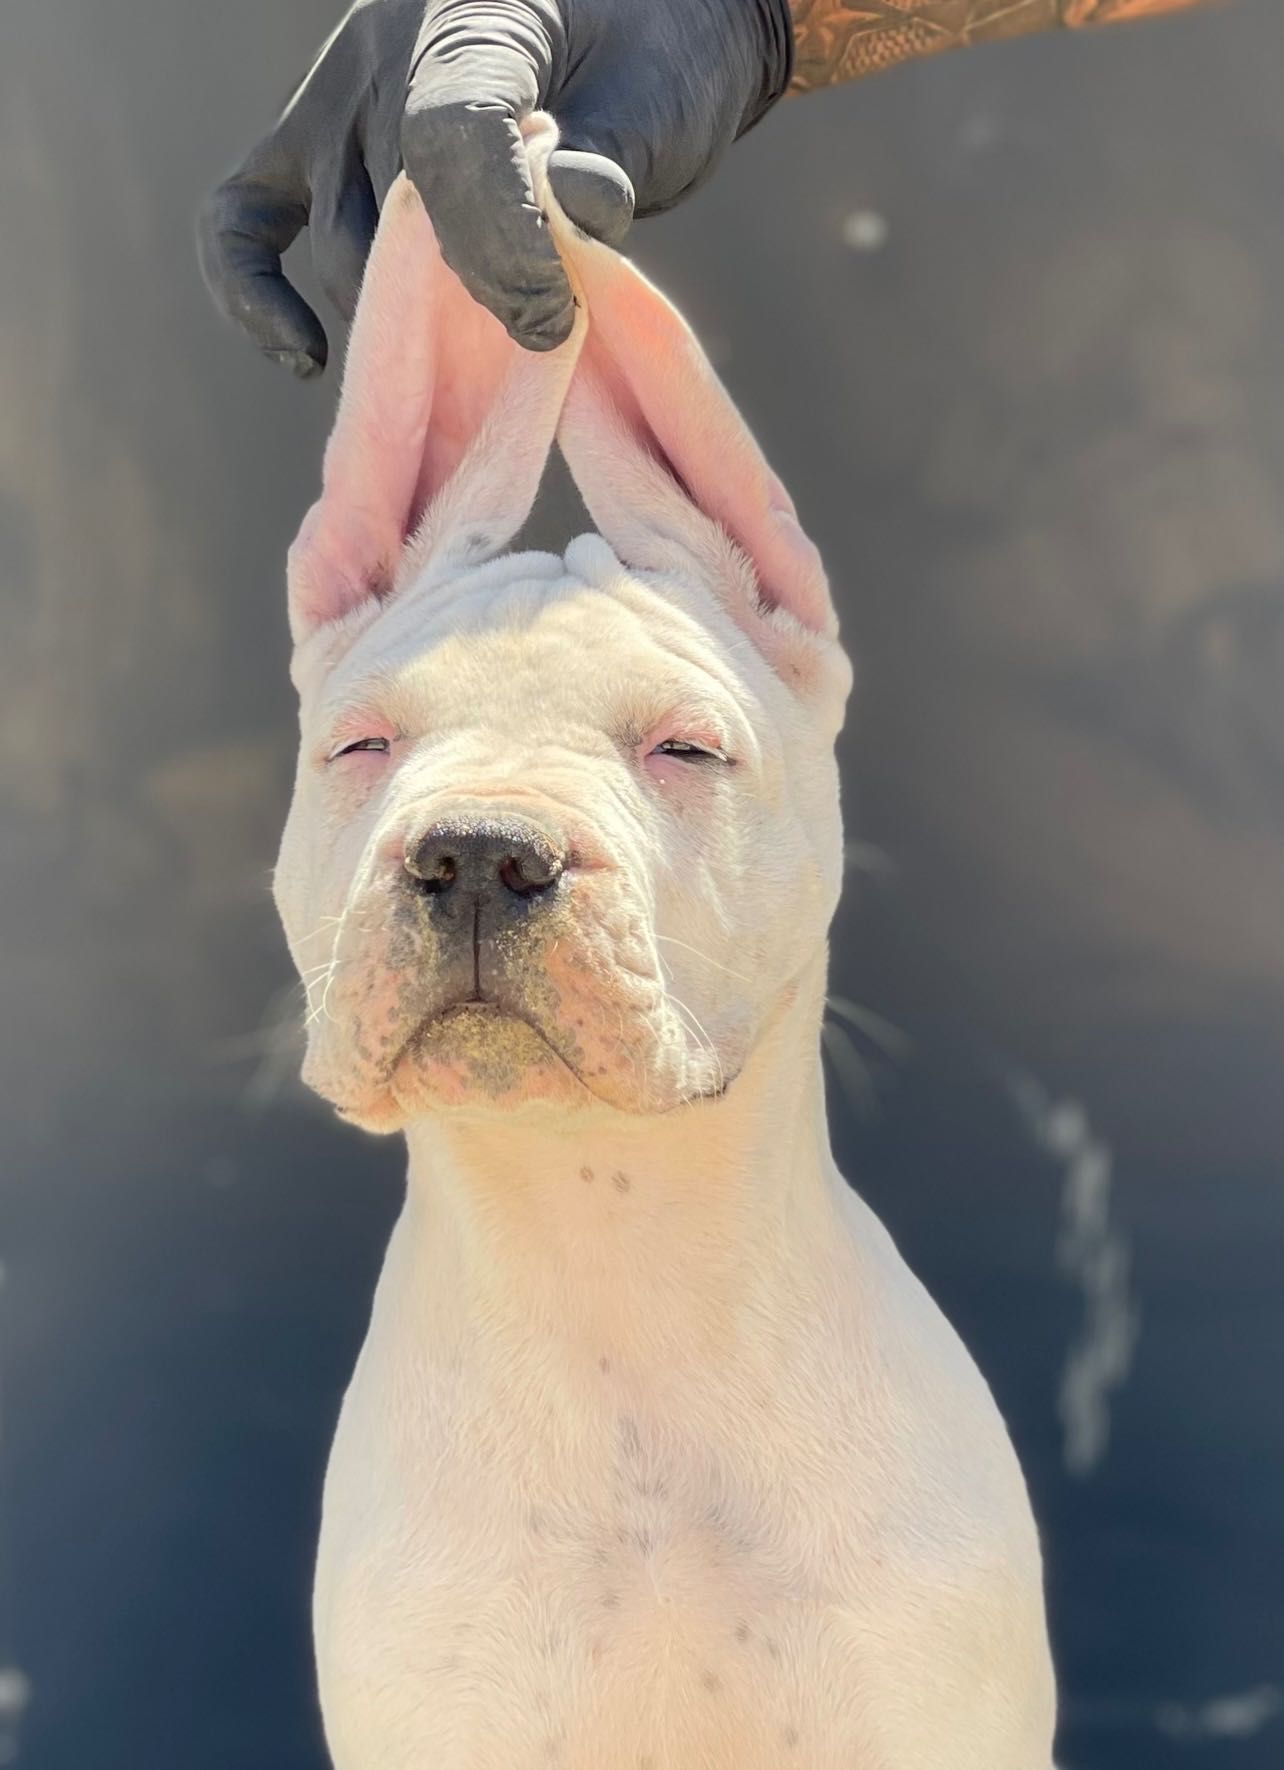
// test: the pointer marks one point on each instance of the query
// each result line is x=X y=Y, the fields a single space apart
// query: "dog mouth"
x=487 y=1016
x=496 y=1046
x=493 y=1041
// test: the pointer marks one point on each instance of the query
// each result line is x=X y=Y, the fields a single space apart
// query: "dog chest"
x=623 y=1595
x=601 y=1646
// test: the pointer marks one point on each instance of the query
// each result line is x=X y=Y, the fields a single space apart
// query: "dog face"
x=564 y=831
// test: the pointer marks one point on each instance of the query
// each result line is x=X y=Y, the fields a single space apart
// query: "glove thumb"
x=594 y=191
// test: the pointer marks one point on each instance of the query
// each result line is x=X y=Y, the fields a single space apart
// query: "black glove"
x=649 y=94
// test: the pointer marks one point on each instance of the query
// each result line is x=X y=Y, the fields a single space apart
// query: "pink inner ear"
x=428 y=372
x=444 y=426
x=471 y=358
x=642 y=373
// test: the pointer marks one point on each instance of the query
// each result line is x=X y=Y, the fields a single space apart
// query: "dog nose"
x=483 y=855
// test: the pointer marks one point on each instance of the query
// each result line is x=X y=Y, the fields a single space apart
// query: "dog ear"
x=670 y=472
x=443 y=429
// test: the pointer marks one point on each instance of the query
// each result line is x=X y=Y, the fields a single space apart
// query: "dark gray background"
x=1038 y=425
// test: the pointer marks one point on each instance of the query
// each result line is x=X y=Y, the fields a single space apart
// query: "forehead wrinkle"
x=675 y=662
x=698 y=682
x=413 y=617
x=708 y=643
x=347 y=692
x=385 y=679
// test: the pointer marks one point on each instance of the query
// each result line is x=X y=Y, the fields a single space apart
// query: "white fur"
x=656 y=1453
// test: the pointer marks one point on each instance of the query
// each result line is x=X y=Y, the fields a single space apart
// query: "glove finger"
x=595 y=192
x=244 y=227
x=469 y=164
x=342 y=228
x=663 y=156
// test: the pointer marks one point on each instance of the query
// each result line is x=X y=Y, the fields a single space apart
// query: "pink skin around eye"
x=664 y=768
x=354 y=731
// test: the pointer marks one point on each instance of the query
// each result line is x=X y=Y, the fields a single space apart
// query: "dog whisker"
x=315 y=970
x=670 y=940
x=323 y=927
x=323 y=982
x=702 y=1037
x=340 y=922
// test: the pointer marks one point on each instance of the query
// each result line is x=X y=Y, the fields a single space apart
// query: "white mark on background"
x=15 y=1687
x=15 y=1694
x=1224 y=1717
x=850 y=1039
x=865 y=230
x=1095 y=1254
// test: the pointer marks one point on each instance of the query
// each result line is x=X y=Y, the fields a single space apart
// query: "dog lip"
x=491 y=1009
x=488 y=1009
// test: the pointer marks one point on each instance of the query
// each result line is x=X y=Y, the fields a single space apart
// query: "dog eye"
x=686 y=751
x=378 y=746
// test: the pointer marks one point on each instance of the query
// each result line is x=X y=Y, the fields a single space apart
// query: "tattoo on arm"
x=841 y=40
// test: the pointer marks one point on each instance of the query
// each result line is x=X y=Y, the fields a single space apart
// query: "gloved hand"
x=648 y=94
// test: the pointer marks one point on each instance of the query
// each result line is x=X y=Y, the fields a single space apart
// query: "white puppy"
x=656 y=1453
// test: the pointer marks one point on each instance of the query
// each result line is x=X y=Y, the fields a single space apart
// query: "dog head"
x=565 y=831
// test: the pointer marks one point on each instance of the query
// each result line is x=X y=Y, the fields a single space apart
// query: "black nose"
x=480 y=855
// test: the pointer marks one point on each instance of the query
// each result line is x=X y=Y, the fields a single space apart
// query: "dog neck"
x=624 y=1241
